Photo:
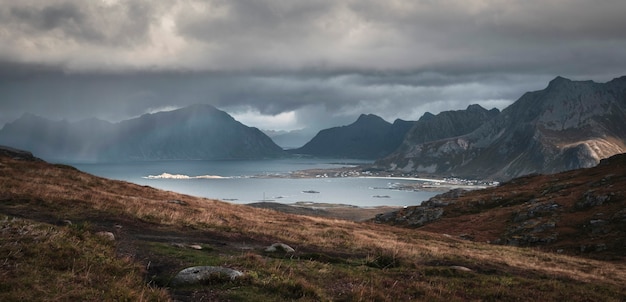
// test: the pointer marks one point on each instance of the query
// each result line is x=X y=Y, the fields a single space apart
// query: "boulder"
x=279 y=247
x=199 y=274
x=460 y=268
x=106 y=235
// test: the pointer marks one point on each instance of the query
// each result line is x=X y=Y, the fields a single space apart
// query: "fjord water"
x=247 y=181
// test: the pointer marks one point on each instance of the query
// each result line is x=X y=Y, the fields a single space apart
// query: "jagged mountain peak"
x=427 y=116
x=561 y=84
x=559 y=80
x=568 y=125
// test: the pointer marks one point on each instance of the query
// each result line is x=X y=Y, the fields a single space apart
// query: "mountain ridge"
x=194 y=132
x=369 y=137
x=567 y=125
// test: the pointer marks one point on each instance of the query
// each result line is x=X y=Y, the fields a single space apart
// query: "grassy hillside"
x=580 y=212
x=158 y=233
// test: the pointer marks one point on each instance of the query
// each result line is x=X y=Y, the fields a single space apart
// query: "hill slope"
x=164 y=232
x=580 y=212
x=566 y=126
x=195 y=132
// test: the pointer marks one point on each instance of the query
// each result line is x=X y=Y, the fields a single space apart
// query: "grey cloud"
x=325 y=60
x=318 y=99
x=88 y=22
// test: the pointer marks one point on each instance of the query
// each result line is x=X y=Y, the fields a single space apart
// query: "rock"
x=536 y=210
x=178 y=202
x=592 y=200
x=421 y=216
x=276 y=247
x=466 y=237
x=185 y=246
x=195 y=246
x=444 y=199
x=412 y=216
x=198 y=274
x=106 y=235
x=599 y=226
x=460 y=268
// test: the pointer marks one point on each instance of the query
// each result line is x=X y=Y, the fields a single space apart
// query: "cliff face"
x=195 y=132
x=566 y=126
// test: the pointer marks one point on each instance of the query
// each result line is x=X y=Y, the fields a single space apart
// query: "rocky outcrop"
x=429 y=211
x=566 y=126
x=17 y=154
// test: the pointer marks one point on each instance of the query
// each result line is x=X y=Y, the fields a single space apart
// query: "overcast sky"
x=289 y=64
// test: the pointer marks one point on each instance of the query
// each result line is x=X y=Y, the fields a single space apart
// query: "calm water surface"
x=238 y=181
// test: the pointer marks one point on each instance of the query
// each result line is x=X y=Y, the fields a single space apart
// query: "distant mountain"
x=446 y=124
x=369 y=137
x=195 y=132
x=568 y=125
x=290 y=139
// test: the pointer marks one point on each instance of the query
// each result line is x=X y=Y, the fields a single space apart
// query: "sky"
x=289 y=64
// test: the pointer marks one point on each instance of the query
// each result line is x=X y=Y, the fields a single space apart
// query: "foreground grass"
x=334 y=260
x=44 y=262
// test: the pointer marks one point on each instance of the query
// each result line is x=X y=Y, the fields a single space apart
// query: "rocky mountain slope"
x=446 y=124
x=581 y=211
x=369 y=137
x=195 y=132
x=568 y=125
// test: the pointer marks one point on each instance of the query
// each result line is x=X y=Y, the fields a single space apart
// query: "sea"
x=249 y=181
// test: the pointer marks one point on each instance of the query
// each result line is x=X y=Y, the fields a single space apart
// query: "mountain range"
x=567 y=125
x=195 y=132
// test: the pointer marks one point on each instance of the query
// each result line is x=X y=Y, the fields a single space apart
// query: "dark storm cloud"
x=317 y=62
x=82 y=22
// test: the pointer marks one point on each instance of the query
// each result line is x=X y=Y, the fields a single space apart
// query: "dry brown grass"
x=69 y=194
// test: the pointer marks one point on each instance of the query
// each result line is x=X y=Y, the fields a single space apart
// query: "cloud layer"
x=305 y=62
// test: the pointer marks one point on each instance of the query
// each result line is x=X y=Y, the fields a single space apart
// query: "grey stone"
x=460 y=268
x=178 y=202
x=106 y=235
x=197 y=274
x=279 y=247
